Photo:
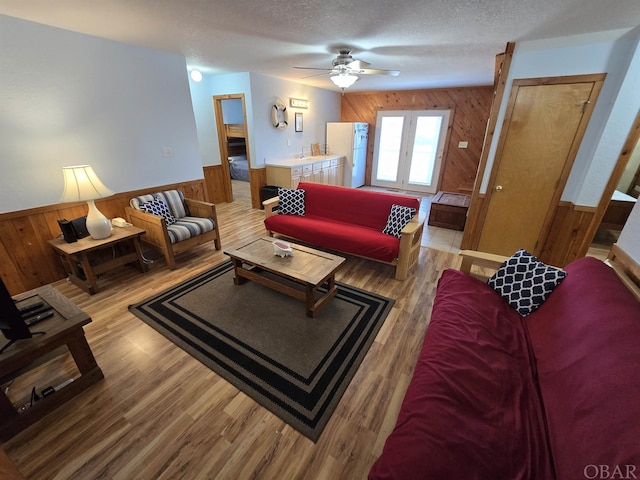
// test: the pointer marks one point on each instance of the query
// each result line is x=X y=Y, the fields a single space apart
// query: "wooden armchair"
x=173 y=223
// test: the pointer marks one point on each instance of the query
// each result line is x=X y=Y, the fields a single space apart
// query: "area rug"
x=262 y=342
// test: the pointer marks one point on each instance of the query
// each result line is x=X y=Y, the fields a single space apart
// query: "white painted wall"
x=611 y=52
x=273 y=144
x=68 y=98
x=261 y=91
x=202 y=97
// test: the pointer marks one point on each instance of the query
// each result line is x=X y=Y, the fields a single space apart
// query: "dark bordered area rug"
x=262 y=342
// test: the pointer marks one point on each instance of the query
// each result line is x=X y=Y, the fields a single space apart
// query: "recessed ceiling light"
x=196 y=76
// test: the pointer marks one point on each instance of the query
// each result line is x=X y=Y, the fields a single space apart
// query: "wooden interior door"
x=222 y=142
x=543 y=128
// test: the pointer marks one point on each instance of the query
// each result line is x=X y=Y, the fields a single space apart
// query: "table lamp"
x=82 y=184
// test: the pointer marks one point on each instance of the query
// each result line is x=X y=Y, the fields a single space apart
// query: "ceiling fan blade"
x=358 y=64
x=314 y=68
x=374 y=71
x=315 y=75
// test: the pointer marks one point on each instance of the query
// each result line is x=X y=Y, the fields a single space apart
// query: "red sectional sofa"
x=553 y=395
x=351 y=220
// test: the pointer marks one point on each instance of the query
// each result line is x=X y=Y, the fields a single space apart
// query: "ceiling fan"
x=345 y=69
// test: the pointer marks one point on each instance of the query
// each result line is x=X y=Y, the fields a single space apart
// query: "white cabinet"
x=289 y=173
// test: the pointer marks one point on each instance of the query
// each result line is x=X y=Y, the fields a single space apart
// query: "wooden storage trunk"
x=449 y=210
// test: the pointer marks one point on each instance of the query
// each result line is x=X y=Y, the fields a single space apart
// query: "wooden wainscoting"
x=569 y=229
x=27 y=260
x=473 y=227
x=258 y=178
x=566 y=240
x=215 y=184
x=214 y=176
x=470 y=108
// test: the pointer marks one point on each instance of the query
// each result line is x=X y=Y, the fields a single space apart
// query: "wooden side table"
x=63 y=329
x=83 y=260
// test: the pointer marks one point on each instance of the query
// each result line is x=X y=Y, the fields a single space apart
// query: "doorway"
x=543 y=128
x=233 y=141
x=625 y=185
x=408 y=149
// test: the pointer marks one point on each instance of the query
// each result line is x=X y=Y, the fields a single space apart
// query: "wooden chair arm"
x=198 y=208
x=415 y=223
x=154 y=225
x=410 y=240
x=269 y=205
x=481 y=259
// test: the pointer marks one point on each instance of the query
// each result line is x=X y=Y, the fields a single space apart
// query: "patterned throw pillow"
x=398 y=219
x=525 y=282
x=291 y=202
x=159 y=208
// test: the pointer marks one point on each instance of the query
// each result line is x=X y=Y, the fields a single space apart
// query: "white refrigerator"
x=349 y=139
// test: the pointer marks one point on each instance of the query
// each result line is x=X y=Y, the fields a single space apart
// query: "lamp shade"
x=344 y=80
x=81 y=183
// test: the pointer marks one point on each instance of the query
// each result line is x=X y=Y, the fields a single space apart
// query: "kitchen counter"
x=297 y=162
x=287 y=173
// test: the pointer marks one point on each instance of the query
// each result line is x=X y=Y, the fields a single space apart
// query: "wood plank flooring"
x=160 y=414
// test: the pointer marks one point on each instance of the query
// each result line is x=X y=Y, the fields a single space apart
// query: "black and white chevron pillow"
x=525 y=282
x=159 y=208
x=291 y=202
x=398 y=219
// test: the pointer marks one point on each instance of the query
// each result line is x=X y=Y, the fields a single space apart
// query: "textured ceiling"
x=434 y=43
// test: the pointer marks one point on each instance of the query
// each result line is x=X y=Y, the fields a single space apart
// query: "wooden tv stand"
x=64 y=328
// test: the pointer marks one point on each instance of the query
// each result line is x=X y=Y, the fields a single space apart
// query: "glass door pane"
x=425 y=150
x=409 y=146
x=389 y=148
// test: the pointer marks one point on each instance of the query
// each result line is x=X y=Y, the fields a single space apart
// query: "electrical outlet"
x=167 y=152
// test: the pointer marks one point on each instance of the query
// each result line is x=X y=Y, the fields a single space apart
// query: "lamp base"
x=98 y=225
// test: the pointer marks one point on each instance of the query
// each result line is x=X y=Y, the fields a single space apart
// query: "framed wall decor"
x=298 y=122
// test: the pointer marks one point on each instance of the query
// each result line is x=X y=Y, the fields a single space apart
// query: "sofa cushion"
x=525 y=282
x=159 y=208
x=586 y=341
x=398 y=219
x=352 y=205
x=290 y=202
x=471 y=410
x=344 y=237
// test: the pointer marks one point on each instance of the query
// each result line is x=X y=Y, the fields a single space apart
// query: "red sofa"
x=351 y=220
x=553 y=395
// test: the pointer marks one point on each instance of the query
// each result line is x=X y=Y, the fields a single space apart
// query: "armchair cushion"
x=187 y=227
x=172 y=198
x=180 y=226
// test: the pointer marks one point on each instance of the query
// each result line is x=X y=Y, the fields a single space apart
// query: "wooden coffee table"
x=307 y=267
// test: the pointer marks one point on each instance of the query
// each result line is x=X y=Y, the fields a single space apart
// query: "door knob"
x=498 y=188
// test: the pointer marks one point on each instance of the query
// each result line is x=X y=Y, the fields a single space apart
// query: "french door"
x=408 y=149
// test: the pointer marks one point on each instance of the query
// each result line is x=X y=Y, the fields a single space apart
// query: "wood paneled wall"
x=27 y=260
x=470 y=109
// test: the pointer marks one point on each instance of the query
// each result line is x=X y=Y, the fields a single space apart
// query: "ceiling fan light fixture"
x=344 y=80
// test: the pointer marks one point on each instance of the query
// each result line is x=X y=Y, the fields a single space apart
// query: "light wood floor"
x=160 y=414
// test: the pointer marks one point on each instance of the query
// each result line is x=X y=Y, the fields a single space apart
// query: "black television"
x=12 y=322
